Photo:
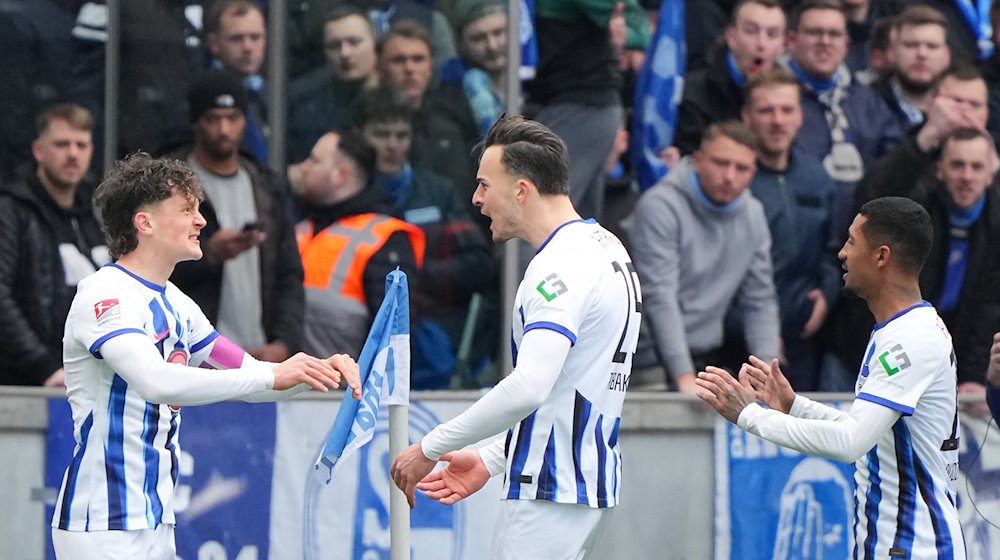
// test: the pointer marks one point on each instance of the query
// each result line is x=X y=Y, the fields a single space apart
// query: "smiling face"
x=966 y=170
x=496 y=196
x=756 y=37
x=819 y=43
x=175 y=224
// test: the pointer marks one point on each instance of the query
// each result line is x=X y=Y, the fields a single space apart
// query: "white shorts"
x=154 y=544
x=544 y=530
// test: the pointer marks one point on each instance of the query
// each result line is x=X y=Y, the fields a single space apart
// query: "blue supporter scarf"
x=813 y=84
x=739 y=78
x=976 y=14
x=960 y=222
x=708 y=203
x=397 y=185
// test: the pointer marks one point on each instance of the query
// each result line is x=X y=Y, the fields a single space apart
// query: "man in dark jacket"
x=798 y=196
x=249 y=283
x=457 y=262
x=962 y=274
x=50 y=239
x=754 y=38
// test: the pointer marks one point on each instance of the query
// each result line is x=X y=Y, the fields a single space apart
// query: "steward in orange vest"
x=347 y=249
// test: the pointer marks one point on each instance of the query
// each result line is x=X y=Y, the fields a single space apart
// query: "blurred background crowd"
x=728 y=142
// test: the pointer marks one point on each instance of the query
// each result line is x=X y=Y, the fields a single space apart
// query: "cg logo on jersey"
x=898 y=356
x=557 y=287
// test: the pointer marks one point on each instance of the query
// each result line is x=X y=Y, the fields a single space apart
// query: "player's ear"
x=142 y=221
x=523 y=188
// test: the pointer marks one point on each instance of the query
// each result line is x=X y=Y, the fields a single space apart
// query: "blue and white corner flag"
x=385 y=378
x=658 y=93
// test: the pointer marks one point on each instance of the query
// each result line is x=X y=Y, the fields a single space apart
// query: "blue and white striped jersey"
x=125 y=463
x=581 y=283
x=906 y=483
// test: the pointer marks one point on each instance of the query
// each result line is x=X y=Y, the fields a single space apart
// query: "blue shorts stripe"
x=114 y=452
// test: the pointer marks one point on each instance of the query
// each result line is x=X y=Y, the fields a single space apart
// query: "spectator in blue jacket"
x=845 y=124
x=797 y=195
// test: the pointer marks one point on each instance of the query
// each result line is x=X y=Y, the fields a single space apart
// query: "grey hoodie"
x=695 y=262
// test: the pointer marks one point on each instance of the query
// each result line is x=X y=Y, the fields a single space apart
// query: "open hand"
x=463 y=476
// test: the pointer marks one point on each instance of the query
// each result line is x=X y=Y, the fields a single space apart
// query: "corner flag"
x=385 y=377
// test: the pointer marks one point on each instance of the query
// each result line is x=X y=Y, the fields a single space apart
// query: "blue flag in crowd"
x=529 y=43
x=658 y=94
x=385 y=377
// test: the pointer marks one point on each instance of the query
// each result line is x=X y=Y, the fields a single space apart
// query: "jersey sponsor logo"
x=894 y=360
x=102 y=308
x=552 y=287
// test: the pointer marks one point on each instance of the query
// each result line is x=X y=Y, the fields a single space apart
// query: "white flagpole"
x=399 y=510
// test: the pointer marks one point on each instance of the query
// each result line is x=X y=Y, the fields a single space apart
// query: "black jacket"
x=710 y=96
x=977 y=314
x=280 y=265
x=34 y=295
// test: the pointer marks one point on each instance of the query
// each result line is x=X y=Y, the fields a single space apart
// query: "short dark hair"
x=77 y=117
x=810 y=5
x=381 y=105
x=880 y=35
x=532 y=151
x=964 y=134
x=995 y=15
x=903 y=225
x=362 y=155
x=963 y=72
x=740 y=3
x=406 y=29
x=134 y=183
x=213 y=21
x=734 y=130
x=920 y=15
x=775 y=76
x=342 y=11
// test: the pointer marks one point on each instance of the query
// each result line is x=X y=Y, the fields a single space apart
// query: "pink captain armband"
x=224 y=354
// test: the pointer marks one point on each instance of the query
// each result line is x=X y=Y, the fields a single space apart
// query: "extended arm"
x=844 y=439
x=540 y=360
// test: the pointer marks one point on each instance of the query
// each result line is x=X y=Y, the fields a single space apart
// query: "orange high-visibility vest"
x=334 y=262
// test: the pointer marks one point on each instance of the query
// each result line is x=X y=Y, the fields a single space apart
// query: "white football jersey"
x=906 y=483
x=581 y=283
x=124 y=465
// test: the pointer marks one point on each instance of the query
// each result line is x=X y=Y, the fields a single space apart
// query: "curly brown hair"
x=136 y=182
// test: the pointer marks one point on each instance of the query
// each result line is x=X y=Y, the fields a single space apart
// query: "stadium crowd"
x=792 y=115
